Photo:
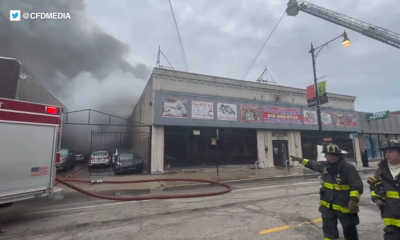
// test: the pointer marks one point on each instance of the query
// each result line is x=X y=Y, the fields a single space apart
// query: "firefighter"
x=340 y=192
x=385 y=188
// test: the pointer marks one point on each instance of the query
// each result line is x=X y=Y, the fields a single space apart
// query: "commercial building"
x=199 y=120
x=386 y=125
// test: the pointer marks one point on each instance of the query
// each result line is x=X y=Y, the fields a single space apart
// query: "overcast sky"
x=222 y=38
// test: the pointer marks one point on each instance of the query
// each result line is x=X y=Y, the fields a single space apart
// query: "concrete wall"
x=166 y=80
x=140 y=124
x=390 y=125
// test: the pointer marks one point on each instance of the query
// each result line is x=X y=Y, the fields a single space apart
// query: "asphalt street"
x=285 y=209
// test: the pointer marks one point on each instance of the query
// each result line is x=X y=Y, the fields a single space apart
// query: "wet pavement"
x=251 y=211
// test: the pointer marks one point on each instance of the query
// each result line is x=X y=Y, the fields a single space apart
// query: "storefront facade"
x=200 y=120
x=373 y=131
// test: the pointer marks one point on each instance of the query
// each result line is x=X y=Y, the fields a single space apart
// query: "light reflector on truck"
x=51 y=110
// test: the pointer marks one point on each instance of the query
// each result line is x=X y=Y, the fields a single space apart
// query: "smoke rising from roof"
x=65 y=55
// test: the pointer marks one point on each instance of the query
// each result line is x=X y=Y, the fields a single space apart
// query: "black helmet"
x=332 y=149
x=390 y=144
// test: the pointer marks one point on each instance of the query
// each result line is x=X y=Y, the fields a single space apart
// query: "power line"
x=179 y=35
x=273 y=30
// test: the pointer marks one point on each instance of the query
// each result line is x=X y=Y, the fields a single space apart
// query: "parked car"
x=100 y=158
x=117 y=151
x=67 y=161
x=128 y=161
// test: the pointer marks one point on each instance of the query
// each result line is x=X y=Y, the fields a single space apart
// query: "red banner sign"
x=351 y=120
x=282 y=115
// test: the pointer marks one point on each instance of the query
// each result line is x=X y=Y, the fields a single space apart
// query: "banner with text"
x=282 y=115
x=326 y=118
x=310 y=117
x=202 y=110
x=174 y=107
x=227 y=111
x=250 y=113
x=322 y=95
x=311 y=99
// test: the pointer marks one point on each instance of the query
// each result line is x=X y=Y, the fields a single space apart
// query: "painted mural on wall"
x=250 y=113
x=351 y=120
x=310 y=117
x=174 y=107
x=326 y=118
x=227 y=111
x=338 y=119
x=202 y=110
x=282 y=115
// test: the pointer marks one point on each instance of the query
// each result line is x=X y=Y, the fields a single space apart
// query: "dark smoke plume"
x=57 y=52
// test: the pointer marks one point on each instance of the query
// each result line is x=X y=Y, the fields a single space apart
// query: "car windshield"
x=63 y=152
x=99 y=153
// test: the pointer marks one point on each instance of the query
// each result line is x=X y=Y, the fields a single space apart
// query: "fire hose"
x=65 y=181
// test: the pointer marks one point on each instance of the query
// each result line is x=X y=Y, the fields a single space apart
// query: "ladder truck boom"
x=369 y=30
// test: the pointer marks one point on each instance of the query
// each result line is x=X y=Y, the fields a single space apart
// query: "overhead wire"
x=179 y=35
x=265 y=43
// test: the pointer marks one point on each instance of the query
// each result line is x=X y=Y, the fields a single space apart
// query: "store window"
x=368 y=146
x=375 y=146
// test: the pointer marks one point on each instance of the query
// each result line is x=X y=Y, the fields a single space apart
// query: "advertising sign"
x=202 y=110
x=339 y=119
x=377 y=115
x=311 y=99
x=174 y=107
x=351 y=120
x=282 y=115
x=310 y=117
x=227 y=111
x=322 y=95
x=326 y=118
x=250 y=113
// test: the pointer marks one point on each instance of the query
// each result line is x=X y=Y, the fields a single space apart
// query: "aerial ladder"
x=369 y=30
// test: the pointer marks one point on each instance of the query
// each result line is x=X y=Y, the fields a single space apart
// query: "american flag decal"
x=40 y=171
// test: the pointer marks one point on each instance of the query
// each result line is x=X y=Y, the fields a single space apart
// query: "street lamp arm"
x=324 y=45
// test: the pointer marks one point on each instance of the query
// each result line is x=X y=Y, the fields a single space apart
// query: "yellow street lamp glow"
x=346 y=40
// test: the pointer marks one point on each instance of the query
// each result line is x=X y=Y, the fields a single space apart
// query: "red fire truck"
x=29 y=138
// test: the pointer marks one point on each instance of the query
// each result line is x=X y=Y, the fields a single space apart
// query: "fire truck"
x=28 y=150
x=30 y=134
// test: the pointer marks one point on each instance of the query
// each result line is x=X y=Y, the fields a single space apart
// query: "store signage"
x=227 y=111
x=377 y=115
x=202 y=110
x=310 y=117
x=282 y=115
x=250 y=113
x=351 y=120
x=174 y=107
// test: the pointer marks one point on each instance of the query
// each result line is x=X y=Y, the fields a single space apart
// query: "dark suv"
x=68 y=160
x=127 y=161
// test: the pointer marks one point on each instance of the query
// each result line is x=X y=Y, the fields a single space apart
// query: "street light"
x=346 y=43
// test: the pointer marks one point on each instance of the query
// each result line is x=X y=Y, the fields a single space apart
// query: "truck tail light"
x=58 y=157
x=51 y=110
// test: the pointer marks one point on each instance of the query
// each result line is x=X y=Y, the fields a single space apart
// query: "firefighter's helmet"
x=332 y=149
x=390 y=144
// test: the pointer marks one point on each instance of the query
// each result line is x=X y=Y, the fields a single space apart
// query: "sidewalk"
x=225 y=175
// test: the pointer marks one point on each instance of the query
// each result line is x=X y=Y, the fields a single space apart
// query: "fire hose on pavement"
x=65 y=181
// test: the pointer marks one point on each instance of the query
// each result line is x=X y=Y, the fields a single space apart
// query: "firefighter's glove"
x=379 y=202
x=353 y=207
x=296 y=159
x=372 y=181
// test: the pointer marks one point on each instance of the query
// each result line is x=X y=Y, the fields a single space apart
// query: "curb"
x=253 y=180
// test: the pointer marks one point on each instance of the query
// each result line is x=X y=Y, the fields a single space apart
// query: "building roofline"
x=203 y=77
